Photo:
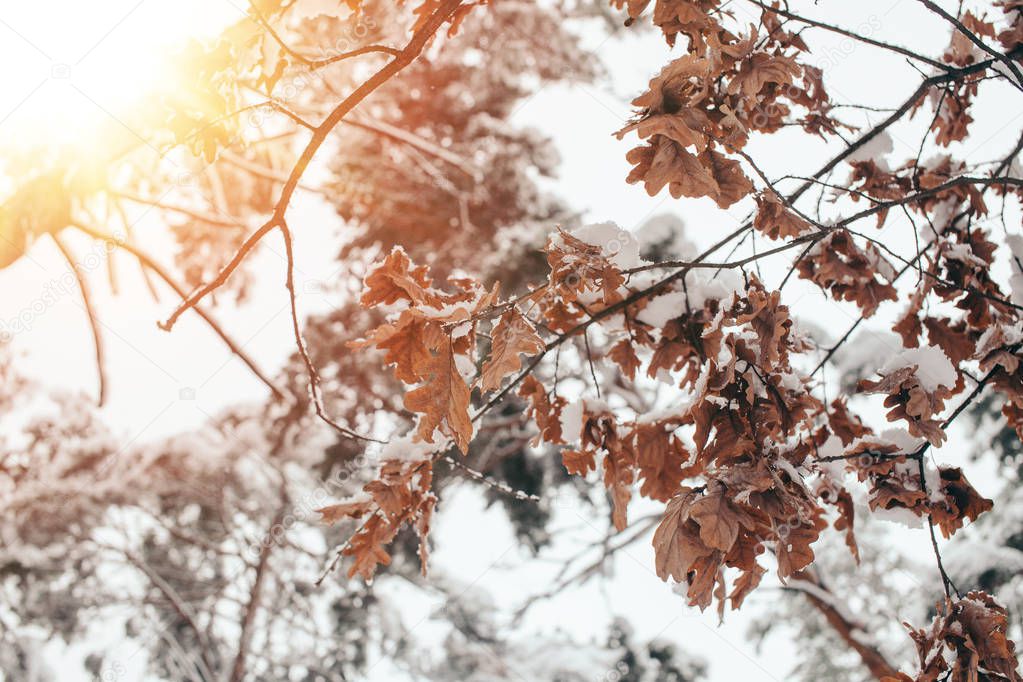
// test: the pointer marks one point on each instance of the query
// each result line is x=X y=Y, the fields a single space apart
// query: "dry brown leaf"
x=443 y=399
x=513 y=335
x=624 y=355
x=718 y=519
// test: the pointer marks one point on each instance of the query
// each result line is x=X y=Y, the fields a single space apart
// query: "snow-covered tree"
x=667 y=384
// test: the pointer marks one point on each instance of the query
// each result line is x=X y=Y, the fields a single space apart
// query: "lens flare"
x=85 y=78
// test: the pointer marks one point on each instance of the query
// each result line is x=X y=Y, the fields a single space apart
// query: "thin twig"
x=151 y=265
x=97 y=337
x=849 y=34
x=972 y=37
x=401 y=60
x=319 y=63
x=303 y=351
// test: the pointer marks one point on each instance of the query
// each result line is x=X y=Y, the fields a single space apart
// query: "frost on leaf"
x=916 y=393
x=861 y=275
x=396 y=279
x=776 y=221
x=442 y=401
x=967 y=640
x=400 y=495
x=426 y=340
x=352 y=509
x=580 y=270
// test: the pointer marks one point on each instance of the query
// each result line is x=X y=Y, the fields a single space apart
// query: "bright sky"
x=80 y=66
x=83 y=63
x=77 y=61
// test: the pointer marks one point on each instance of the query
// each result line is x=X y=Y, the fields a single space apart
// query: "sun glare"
x=82 y=74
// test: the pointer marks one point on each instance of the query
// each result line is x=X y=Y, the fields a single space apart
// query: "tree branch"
x=150 y=264
x=314 y=376
x=972 y=37
x=850 y=34
x=412 y=50
x=255 y=596
x=808 y=583
x=90 y=312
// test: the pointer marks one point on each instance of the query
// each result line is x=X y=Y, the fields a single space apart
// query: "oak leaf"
x=619 y=475
x=367 y=547
x=395 y=279
x=624 y=355
x=730 y=183
x=910 y=399
x=663 y=162
x=512 y=335
x=962 y=501
x=761 y=69
x=443 y=399
x=677 y=543
x=775 y=220
x=838 y=265
x=579 y=461
x=718 y=519
x=952 y=338
x=684 y=127
x=405 y=342
x=354 y=509
x=660 y=458
x=794 y=547
x=746 y=583
x=578 y=267
x=543 y=410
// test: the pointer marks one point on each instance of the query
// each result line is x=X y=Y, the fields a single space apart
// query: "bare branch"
x=809 y=584
x=314 y=376
x=412 y=50
x=972 y=37
x=318 y=63
x=849 y=34
x=90 y=312
x=151 y=265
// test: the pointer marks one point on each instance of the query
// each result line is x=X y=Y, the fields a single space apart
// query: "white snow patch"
x=933 y=367
x=665 y=233
x=1015 y=243
x=899 y=515
x=465 y=366
x=835 y=469
x=405 y=449
x=875 y=150
x=706 y=286
x=664 y=376
x=965 y=254
x=663 y=308
x=572 y=421
x=619 y=246
x=901 y=439
x=653 y=416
